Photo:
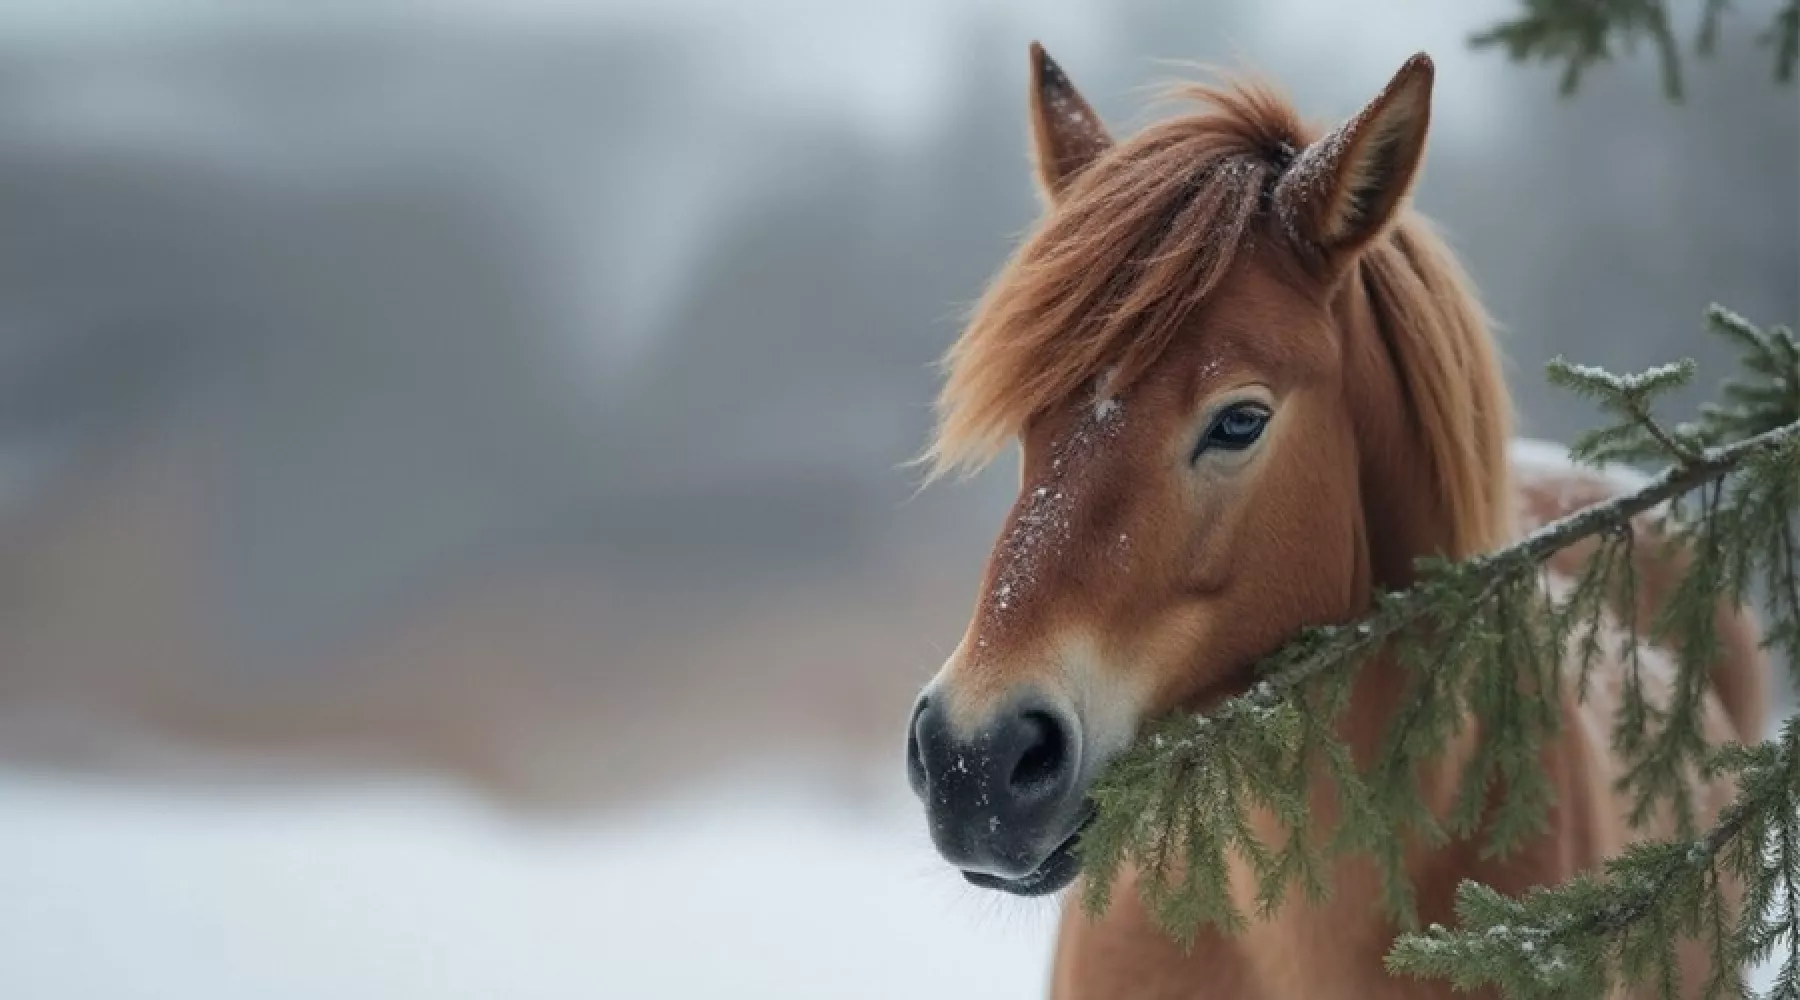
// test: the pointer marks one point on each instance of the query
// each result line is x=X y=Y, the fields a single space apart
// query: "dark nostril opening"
x=1046 y=751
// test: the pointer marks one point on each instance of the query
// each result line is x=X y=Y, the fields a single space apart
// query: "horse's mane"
x=1437 y=333
x=1146 y=232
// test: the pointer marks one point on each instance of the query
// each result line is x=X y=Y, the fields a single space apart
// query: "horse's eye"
x=1235 y=428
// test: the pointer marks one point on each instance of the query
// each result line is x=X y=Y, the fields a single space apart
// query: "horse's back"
x=1549 y=486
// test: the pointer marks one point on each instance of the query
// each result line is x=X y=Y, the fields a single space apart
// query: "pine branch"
x=1581 y=34
x=1483 y=639
x=1324 y=648
x=1210 y=757
x=1575 y=939
x=1784 y=35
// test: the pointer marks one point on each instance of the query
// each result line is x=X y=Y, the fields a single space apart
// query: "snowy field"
x=119 y=893
x=116 y=893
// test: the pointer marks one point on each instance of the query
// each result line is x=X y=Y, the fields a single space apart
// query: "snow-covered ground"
x=122 y=893
x=117 y=893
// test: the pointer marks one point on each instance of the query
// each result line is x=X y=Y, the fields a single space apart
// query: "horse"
x=1250 y=387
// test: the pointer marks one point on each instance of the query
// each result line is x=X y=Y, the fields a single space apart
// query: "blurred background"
x=453 y=533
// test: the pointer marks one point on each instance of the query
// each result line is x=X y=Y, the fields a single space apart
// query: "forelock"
x=1135 y=244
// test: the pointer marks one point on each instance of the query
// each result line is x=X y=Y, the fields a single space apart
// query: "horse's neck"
x=1330 y=949
x=1405 y=518
x=1405 y=514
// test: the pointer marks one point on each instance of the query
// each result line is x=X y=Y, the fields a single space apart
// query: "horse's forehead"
x=1256 y=320
x=1259 y=325
x=1064 y=445
x=1220 y=353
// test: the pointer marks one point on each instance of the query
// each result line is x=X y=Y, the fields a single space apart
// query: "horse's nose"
x=998 y=798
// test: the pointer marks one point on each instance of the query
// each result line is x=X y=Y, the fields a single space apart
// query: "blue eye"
x=1235 y=428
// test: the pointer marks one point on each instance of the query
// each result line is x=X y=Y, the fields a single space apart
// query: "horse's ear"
x=1342 y=191
x=1066 y=133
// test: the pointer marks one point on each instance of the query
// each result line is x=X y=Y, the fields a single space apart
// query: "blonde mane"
x=1146 y=233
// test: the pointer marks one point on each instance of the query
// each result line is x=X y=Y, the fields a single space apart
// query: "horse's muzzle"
x=1002 y=799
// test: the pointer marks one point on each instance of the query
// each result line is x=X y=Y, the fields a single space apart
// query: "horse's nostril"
x=1046 y=753
x=915 y=757
x=1001 y=793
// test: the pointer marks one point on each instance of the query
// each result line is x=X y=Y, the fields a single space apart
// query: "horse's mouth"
x=1053 y=874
